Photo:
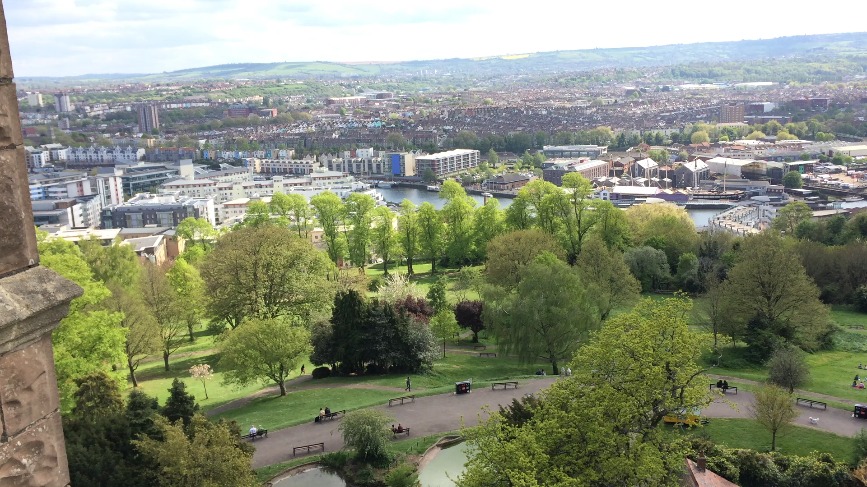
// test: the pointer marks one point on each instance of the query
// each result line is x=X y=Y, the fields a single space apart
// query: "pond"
x=315 y=477
x=449 y=462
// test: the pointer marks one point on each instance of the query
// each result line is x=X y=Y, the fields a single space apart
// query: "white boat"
x=433 y=188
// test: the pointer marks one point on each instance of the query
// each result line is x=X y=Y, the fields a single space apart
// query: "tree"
x=769 y=284
x=790 y=216
x=444 y=326
x=609 y=283
x=97 y=395
x=358 y=215
x=487 y=223
x=431 y=235
x=755 y=135
x=116 y=263
x=772 y=407
x=659 y=156
x=457 y=214
x=508 y=253
x=612 y=226
x=266 y=273
x=792 y=179
x=396 y=287
x=202 y=373
x=203 y=454
x=787 y=368
x=329 y=212
x=578 y=220
x=161 y=298
x=699 y=137
x=263 y=350
x=668 y=224
x=257 y=215
x=469 y=315
x=588 y=412
x=436 y=295
x=142 y=333
x=429 y=176
x=711 y=313
x=648 y=265
x=493 y=158
x=409 y=232
x=548 y=314
x=385 y=240
x=395 y=140
x=190 y=289
x=180 y=405
x=368 y=433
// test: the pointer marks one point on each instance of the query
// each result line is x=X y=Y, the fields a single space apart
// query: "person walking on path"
x=302 y=369
x=408 y=385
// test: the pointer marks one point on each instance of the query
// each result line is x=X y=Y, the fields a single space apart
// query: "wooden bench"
x=330 y=415
x=811 y=402
x=725 y=390
x=308 y=447
x=401 y=399
x=487 y=354
x=504 y=384
x=480 y=347
x=259 y=433
x=404 y=431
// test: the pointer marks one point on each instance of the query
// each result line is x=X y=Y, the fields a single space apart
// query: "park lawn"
x=301 y=406
x=798 y=440
x=424 y=279
x=846 y=316
x=455 y=367
x=155 y=381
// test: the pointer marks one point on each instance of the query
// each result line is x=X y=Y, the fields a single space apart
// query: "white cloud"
x=71 y=37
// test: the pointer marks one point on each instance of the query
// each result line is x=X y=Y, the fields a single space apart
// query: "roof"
x=140 y=244
x=696 y=477
x=635 y=190
x=647 y=163
x=510 y=178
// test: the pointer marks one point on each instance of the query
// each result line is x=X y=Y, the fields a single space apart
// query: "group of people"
x=398 y=429
x=322 y=413
x=858 y=383
x=722 y=384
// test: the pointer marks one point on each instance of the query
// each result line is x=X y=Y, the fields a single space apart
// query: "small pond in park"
x=449 y=462
x=314 y=477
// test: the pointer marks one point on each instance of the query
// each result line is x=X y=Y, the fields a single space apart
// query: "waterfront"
x=419 y=196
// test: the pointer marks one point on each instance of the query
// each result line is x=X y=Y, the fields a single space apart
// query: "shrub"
x=321 y=372
x=787 y=367
x=335 y=460
x=860 y=446
x=368 y=433
x=861 y=299
x=402 y=476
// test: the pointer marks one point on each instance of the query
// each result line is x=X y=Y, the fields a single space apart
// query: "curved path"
x=447 y=412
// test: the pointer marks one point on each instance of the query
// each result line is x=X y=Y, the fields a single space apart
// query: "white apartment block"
x=34 y=99
x=36 y=157
x=285 y=166
x=448 y=162
x=222 y=192
x=104 y=155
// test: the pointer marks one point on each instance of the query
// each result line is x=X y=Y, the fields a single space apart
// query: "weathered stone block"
x=32 y=303
x=17 y=233
x=28 y=386
x=5 y=56
x=36 y=457
x=10 y=121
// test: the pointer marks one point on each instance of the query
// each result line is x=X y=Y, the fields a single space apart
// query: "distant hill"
x=807 y=46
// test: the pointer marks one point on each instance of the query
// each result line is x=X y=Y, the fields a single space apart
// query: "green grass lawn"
x=423 y=278
x=797 y=440
x=846 y=316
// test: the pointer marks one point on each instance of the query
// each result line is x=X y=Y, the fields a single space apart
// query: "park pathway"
x=447 y=412
x=798 y=392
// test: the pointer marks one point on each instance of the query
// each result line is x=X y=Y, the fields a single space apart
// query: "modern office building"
x=445 y=162
x=62 y=103
x=731 y=114
x=161 y=210
x=145 y=178
x=148 y=118
x=589 y=151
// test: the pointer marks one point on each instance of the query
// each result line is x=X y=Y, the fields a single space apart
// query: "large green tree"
x=142 y=333
x=510 y=252
x=190 y=289
x=457 y=214
x=487 y=224
x=166 y=307
x=384 y=236
x=548 y=314
x=358 y=217
x=790 y=216
x=265 y=273
x=431 y=233
x=114 y=264
x=574 y=210
x=409 y=233
x=263 y=350
x=329 y=212
x=609 y=283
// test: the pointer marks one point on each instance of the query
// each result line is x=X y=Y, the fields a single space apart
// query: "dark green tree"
x=180 y=405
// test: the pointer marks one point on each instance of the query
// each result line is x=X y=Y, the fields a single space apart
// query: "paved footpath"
x=445 y=412
x=426 y=416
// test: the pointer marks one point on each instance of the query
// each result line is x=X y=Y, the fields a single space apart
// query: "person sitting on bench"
x=725 y=385
x=253 y=431
x=719 y=384
x=327 y=411
x=393 y=429
x=399 y=428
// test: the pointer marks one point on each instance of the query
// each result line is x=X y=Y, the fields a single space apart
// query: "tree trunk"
x=774 y=440
x=282 y=388
x=409 y=265
x=206 y=389
x=475 y=337
x=190 y=327
x=554 y=364
x=385 y=266
x=166 y=359
x=433 y=265
x=131 y=372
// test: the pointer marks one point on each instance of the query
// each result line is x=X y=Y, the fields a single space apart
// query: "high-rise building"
x=62 y=103
x=731 y=114
x=34 y=99
x=148 y=118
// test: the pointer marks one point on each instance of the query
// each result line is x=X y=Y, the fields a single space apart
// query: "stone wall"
x=33 y=300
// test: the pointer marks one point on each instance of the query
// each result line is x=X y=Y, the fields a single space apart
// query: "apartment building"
x=78 y=212
x=103 y=156
x=34 y=99
x=36 y=157
x=447 y=162
x=731 y=114
x=160 y=210
x=565 y=151
x=62 y=103
x=148 y=118
x=283 y=166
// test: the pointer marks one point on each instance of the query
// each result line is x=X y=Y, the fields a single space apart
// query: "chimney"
x=701 y=462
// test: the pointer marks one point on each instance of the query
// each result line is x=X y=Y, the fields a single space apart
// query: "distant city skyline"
x=76 y=37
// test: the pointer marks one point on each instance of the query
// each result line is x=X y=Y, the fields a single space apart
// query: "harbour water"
x=447 y=465
x=420 y=195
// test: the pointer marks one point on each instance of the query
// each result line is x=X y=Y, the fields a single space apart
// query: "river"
x=419 y=196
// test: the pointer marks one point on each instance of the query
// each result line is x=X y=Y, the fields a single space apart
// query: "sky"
x=75 y=37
